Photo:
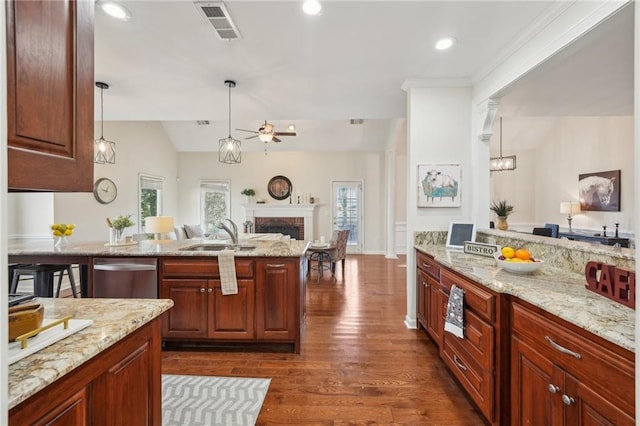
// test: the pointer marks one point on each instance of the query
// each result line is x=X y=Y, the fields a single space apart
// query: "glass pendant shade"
x=104 y=151
x=502 y=163
x=230 y=149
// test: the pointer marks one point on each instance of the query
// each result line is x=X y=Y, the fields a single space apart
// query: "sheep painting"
x=439 y=185
x=600 y=191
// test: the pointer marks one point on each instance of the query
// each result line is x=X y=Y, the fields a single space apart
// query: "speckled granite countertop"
x=263 y=248
x=554 y=289
x=113 y=319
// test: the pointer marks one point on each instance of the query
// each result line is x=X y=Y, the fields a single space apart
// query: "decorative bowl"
x=24 y=318
x=518 y=267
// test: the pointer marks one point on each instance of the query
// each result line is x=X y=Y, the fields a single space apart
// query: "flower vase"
x=60 y=242
x=502 y=223
x=116 y=236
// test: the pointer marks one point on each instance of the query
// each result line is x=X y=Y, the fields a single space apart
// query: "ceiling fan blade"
x=285 y=133
x=276 y=139
x=251 y=137
x=244 y=130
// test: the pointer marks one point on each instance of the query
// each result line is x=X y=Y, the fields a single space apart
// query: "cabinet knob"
x=567 y=400
x=201 y=290
x=553 y=388
x=210 y=290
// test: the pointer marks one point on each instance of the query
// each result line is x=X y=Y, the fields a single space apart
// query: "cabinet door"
x=72 y=412
x=232 y=316
x=188 y=317
x=50 y=88
x=422 y=290
x=536 y=387
x=584 y=406
x=435 y=321
x=276 y=300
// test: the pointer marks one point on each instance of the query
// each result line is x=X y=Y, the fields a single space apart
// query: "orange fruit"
x=508 y=252
x=523 y=254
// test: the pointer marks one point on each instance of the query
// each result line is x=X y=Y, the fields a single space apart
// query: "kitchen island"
x=107 y=373
x=268 y=307
x=534 y=349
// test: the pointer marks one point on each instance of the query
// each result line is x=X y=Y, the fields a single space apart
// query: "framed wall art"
x=439 y=185
x=600 y=191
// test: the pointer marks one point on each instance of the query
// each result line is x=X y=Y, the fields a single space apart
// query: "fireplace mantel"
x=306 y=211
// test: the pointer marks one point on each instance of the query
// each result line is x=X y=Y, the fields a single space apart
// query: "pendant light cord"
x=229 y=110
x=101 y=112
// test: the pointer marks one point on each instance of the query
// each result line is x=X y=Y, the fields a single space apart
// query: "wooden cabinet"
x=50 y=88
x=269 y=306
x=121 y=385
x=473 y=358
x=564 y=375
x=428 y=296
x=200 y=309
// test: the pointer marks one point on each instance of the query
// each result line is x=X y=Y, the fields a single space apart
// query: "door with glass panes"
x=347 y=212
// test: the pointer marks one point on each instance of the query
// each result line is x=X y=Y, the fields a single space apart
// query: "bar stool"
x=323 y=262
x=43 y=278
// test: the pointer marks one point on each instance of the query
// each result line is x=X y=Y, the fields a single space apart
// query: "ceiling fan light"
x=265 y=137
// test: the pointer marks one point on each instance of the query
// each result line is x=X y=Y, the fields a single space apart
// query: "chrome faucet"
x=232 y=233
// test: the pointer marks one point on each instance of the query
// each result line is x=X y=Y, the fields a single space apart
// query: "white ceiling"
x=167 y=64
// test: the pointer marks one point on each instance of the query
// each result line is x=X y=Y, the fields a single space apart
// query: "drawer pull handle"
x=567 y=400
x=279 y=265
x=562 y=348
x=553 y=388
x=426 y=265
x=460 y=365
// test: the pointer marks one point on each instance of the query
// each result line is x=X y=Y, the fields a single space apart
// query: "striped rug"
x=210 y=400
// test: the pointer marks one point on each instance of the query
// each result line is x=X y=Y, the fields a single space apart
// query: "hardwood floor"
x=359 y=364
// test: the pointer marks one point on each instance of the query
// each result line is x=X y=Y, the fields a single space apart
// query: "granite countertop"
x=113 y=319
x=272 y=247
x=554 y=289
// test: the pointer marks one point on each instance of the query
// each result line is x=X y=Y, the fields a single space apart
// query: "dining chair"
x=339 y=254
x=542 y=231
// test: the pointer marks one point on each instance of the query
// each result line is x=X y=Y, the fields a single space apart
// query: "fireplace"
x=287 y=219
x=292 y=226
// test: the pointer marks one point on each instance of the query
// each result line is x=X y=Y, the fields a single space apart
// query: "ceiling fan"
x=266 y=133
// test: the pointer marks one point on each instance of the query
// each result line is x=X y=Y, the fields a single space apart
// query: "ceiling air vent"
x=357 y=121
x=216 y=14
x=202 y=122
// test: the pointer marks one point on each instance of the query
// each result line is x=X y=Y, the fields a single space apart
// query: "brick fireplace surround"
x=300 y=217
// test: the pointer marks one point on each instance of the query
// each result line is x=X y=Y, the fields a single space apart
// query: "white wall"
x=309 y=172
x=439 y=131
x=141 y=147
x=567 y=147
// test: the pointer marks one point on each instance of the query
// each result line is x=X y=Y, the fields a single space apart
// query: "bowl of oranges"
x=518 y=261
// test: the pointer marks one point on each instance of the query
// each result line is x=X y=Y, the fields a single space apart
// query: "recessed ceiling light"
x=115 y=10
x=292 y=127
x=445 y=43
x=311 y=7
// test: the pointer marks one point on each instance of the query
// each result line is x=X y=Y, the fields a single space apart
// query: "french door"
x=347 y=212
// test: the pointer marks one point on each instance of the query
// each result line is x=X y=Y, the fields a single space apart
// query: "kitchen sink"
x=217 y=247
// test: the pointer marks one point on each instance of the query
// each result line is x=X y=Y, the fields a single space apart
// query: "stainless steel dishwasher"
x=125 y=277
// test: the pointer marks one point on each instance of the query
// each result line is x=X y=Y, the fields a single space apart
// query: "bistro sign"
x=480 y=249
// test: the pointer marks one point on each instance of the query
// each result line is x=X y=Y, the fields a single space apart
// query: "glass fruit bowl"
x=523 y=267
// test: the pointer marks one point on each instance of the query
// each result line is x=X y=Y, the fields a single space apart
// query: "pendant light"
x=229 y=149
x=104 y=151
x=500 y=164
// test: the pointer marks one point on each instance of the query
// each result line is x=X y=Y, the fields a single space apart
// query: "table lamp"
x=158 y=225
x=568 y=207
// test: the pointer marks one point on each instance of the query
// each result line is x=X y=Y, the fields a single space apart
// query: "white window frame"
x=151 y=180
x=213 y=182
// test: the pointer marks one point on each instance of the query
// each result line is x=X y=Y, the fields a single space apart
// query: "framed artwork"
x=439 y=185
x=600 y=191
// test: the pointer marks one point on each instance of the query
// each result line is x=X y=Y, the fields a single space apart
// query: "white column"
x=390 y=170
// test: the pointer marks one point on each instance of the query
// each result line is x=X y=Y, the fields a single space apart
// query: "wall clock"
x=105 y=190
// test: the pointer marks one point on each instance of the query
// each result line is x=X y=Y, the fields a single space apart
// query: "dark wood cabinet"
x=50 y=88
x=269 y=306
x=562 y=375
x=121 y=385
x=277 y=307
x=428 y=296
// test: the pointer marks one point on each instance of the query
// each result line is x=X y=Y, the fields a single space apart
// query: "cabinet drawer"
x=477 y=381
x=428 y=265
x=480 y=301
x=597 y=366
x=205 y=268
x=478 y=339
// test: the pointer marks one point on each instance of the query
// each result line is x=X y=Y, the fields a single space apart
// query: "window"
x=215 y=204
x=151 y=198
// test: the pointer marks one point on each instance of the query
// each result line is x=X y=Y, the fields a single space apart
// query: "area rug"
x=210 y=400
